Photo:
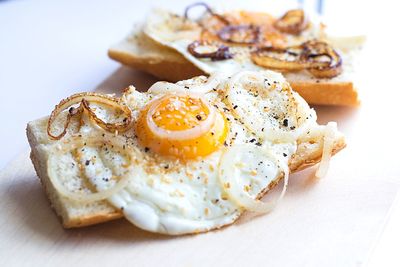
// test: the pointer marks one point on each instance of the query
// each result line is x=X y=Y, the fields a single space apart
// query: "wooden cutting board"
x=334 y=221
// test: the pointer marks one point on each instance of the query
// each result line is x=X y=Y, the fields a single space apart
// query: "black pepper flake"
x=186 y=87
x=235 y=107
x=225 y=143
x=87 y=162
x=258 y=144
x=285 y=122
x=198 y=117
x=292 y=127
x=284 y=154
x=103 y=135
x=146 y=149
x=252 y=140
x=166 y=167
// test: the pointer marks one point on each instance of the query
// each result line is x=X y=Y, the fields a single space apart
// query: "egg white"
x=168 y=196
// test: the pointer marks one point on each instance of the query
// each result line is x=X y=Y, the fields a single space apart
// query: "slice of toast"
x=308 y=153
x=141 y=52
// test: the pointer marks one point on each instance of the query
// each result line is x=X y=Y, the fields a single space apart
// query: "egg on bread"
x=182 y=158
x=321 y=67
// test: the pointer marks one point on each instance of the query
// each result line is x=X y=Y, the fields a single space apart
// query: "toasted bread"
x=76 y=215
x=55 y=162
x=142 y=52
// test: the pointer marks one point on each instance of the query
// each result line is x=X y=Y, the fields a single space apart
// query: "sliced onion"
x=165 y=88
x=275 y=135
x=75 y=143
x=277 y=58
x=313 y=50
x=215 y=79
x=304 y=57
x=292 y=22
x=178 y=88
x=192 y=133
x=235 y=192
x=329 y=142
x=83 y=99
x=220 y=52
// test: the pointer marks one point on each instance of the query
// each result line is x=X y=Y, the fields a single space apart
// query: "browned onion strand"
x=313 y=50
x=266 y=57
x=292 y=22
x=228 y=33
x=83 y=99
x=222 y=52
x=306 y=56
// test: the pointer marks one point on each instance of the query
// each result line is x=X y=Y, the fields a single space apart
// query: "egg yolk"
x=181 y=126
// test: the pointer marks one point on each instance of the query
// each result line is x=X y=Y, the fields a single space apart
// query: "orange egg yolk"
x=181 y=126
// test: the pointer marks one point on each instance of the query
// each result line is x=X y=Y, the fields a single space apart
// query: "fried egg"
x=177 y=32
x=199 y=153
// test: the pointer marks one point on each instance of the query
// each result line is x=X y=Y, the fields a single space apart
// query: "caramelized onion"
x=220 y=52
x=292 y=22
x=325 y=61
x=278 y=58
x=83 y=99
x=317 y=57
x=240 y=34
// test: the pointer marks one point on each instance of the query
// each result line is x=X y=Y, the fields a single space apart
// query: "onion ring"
x=292 y=22
x=313 y=50
x=191 y=133
x=75 y=143
x=236 y=193
x=276 y=58
x=221 y=53
x=329 y=142
x=303 y=57
x=83 y=99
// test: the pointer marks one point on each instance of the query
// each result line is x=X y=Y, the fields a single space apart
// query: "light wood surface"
x=335 y=221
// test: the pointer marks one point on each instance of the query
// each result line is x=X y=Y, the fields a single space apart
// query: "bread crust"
x=36 y=131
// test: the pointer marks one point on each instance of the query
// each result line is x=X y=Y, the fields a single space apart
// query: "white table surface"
x=50 y=50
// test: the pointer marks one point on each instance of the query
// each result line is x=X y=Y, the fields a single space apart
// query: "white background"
x=51 y=49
